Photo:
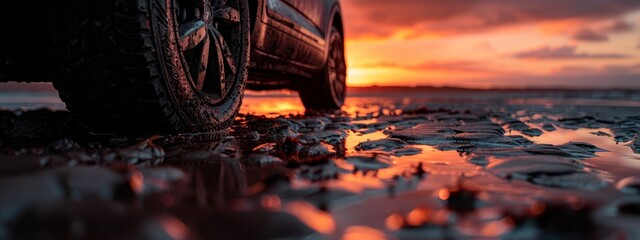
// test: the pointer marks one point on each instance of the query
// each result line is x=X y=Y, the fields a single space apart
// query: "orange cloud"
x=563 y=52
x=387 y=18
x=444 y=66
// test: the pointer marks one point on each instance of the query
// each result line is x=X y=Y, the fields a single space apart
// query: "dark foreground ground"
x=430 y=164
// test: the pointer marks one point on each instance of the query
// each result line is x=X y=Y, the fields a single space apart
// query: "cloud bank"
x=384 y=18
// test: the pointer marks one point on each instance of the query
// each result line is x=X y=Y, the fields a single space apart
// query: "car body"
x=289 y=41
x=194 y=56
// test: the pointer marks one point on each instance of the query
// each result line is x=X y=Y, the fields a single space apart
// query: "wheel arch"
x=255 y=11
x=333 y=19
x=337 y=22
x=333 y=16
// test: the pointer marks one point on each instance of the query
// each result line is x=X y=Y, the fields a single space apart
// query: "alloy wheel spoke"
x=203 y=64
x=192 y=33
x=227 y=15
x=340 y=87
x=339 y=59
x=226 y=52
x=202 y=3
x=219 y=4
x=332 y=63
x=218 y=55
x=339 y=84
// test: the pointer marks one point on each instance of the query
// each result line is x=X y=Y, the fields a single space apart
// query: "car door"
x=293 y=35
x=312 y=9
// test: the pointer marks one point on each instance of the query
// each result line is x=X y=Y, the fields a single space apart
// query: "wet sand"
x=429 y=164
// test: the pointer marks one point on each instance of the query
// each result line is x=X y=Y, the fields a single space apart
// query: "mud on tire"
x=140 y=65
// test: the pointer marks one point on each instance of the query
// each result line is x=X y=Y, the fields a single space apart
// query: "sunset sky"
x=493 y=43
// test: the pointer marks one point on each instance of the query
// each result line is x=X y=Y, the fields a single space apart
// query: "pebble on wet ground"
x=296 y=176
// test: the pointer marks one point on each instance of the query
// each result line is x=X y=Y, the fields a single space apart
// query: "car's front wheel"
x=152 y=66
x=328 y=91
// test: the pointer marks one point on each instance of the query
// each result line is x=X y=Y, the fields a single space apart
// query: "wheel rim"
x=210 y=43
x=337 y=70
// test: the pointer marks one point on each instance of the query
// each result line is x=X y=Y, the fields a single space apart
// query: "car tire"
x=151 y=66
x=328 y=91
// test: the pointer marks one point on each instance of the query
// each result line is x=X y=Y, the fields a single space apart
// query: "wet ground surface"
x=485 y=165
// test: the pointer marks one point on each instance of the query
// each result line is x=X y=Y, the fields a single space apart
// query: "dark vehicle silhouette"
x=175 y=65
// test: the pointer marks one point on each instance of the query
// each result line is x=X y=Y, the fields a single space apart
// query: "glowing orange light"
x=440 y=217
x=318 y=220
x=394 y=222
x=272 y=202
x=363 y=233
x=272 y=106
x=443 y=194
x=137 y=182
x=497 y=228
x=417 y=217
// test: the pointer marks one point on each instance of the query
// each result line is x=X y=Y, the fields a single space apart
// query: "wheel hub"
x=207 y=13
x=209 y=36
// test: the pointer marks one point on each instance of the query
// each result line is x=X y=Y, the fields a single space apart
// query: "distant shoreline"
x=47 y=87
